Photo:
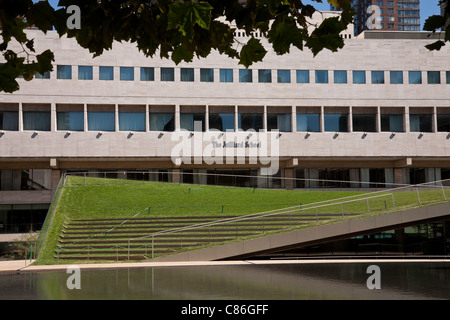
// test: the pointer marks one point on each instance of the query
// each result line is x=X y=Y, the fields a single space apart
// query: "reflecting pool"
x=294 y=281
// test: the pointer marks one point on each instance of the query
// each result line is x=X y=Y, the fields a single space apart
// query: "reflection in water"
x=258 y=282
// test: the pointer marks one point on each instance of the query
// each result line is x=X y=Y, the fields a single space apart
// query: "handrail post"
x=368 y=208
x=418 y=196
x=443 y=191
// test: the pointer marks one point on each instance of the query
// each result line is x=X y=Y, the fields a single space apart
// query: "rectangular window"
x=147 y=74
x=434 y=77
x=72 y=121
x=359 y=77
x=340 y=76
x=64 y=72
x=447 y=77
x=42 y=76
x=226 y=75
x=167 y=74
x=132 y=121
x=420 y=122
x=309 y=122
x=364 y=122
x=192 y=121
x=264 y=76
x=284 y=76
x=337 y=122
x=85 y=73
x=321 y=76
x=302 y=76
x=36 y=120
x=253 y=121
x=162 y=122
x=245 y=75
x=206 y=75
x=101 y=121
x=391 y=122
x=221 y=121
x=187 y=74
x=126 y=74
x=443 y=122
x=396 y=77
x=280 y=122
x=106 y=73
x=378 y=77
x=415 y=77
x=9 y=120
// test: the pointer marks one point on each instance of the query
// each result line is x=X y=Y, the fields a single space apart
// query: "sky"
x=427 y=7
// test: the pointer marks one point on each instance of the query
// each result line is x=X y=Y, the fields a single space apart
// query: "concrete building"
x=375 y=114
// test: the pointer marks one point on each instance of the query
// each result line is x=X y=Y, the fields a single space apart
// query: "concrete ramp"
x=316 y=235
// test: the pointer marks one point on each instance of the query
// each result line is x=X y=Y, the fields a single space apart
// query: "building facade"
x=375 y=114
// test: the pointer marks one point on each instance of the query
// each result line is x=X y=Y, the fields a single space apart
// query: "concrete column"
x=294 y=119
x=177 y=118
x=207 y=118
x=434 y=127
x=322 y=119
x=116 y=111
x=53 y=118
x=406 y=119
x=378 y=120
x=147 y=118
x=86 y=125
x=350 y=119
x=20 y=117
x=176 y=175
x=56 y=175
x=398 y=175
x=236 y=118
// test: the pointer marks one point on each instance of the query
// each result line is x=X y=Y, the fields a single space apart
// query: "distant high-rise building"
x=400 y=15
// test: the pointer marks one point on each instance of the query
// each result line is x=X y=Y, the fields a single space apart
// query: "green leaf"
x=434 y=22
x=253 y=51
x=41 y=14
x=182 y=53
x=285 y=33
x=183 y=16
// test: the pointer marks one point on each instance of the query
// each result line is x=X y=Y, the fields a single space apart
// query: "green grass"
x=100 y=198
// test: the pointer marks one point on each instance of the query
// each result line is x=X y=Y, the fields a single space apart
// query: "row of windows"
x=305 y=121
x=246 y=75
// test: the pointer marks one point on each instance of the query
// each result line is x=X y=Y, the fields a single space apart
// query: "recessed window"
x=250 y=121
x=302 y=76
x=391 y=122
x=337 y=122
x=64 y=72
x=126 y=74
x=162 y=122
x=85 y=73
x=359 y=77
x=106 y=73
x=364 y=122
x=147 y=74
x=378 y=77
x=280 y=122
x=132 y=121
x=192 y=121
x=73 y=121
x=265 y=76
x=167 y=74
x=187 y=74
x=434 y=77
x=396 y=77
x=226 y=75
x=443 y=122
x=420 y=122
x=321 y=76
x=101 y=121
x=42 y=76
x=245 y=75
x=415 y=77
x=308 y=122
x=9 y=120
x=206 y=75
x=284 y=76
x=36 y=120
x=340 y=76
x=447 y=77
x=221 y=121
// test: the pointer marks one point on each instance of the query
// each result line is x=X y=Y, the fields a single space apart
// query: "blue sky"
x=427 y=7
